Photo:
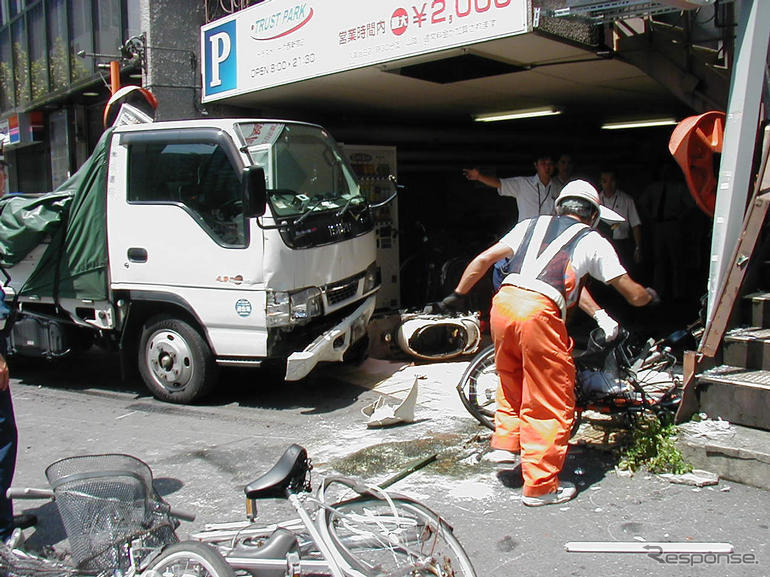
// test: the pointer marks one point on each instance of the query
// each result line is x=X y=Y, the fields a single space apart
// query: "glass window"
x=6 y=72
x=15 y=7
x=133 y=19
x=20 y=62
x=58 y=134
x=306 y=163
x=196 y=175
x=57 y=48
x=38 y=66
x=81 y=25
x=306 y=174
x=108 y=38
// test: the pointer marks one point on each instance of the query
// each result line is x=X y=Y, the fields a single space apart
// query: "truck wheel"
x=175 y=362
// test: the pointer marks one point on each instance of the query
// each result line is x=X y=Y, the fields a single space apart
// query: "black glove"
x=454 y=302
x=654 y=296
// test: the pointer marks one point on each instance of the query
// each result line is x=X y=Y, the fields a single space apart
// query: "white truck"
x=192 y=245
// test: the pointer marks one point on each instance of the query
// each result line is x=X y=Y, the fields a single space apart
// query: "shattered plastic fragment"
x=382 y=415
x=698 y=478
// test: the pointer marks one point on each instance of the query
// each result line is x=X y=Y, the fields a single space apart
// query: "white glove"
x=609 y=325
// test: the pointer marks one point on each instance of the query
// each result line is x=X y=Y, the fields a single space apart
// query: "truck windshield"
x=304 y=170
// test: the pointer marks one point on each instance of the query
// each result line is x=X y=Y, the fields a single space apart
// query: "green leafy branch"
x=652 y=446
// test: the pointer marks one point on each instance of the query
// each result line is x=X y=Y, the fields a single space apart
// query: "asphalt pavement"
x=203 y=455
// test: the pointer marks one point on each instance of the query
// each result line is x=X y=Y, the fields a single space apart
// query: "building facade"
x=55 y=79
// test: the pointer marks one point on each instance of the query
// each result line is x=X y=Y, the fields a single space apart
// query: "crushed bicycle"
x=344 y=528
x=116 y=523
x=613 y=378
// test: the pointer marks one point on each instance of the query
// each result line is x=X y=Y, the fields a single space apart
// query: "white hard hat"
x=586 y=191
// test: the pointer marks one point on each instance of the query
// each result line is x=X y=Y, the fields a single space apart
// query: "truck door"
x=176 y=226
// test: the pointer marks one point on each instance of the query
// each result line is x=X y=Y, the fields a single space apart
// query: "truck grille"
x=342 y=290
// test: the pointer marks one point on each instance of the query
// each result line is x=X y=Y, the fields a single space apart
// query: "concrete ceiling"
x=590 y=87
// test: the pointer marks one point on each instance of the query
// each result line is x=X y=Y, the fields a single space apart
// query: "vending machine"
x=374 y=165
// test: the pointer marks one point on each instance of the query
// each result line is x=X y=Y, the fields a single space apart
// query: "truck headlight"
x=297 y=308
x=371 y=278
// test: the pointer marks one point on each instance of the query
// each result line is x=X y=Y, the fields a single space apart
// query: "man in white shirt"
x=534 y=194
x=626 y=236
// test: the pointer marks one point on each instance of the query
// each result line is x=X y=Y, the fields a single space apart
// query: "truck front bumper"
x=332 y=344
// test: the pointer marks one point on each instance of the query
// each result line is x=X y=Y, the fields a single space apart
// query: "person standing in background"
x=8 y=431
x=626 y=236
x=565 y=168
x=534 y=195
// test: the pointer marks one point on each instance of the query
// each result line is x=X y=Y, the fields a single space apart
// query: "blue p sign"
x=219 y=49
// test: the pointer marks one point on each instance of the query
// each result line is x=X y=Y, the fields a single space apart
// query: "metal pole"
x=735 y=176
x=114 y=76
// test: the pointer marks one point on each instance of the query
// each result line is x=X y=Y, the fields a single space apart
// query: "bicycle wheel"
x=378 y=537
x=189 y=559
x=478 y=390
x=478 y=387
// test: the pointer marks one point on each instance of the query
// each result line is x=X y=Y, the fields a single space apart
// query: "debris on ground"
x=709 y=428
x=623 y=472
x=696 y=477
x=382 y=415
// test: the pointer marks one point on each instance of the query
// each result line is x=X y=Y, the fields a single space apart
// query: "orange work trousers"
x=536 y=397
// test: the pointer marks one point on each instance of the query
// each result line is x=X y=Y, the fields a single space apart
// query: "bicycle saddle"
x=288 y=474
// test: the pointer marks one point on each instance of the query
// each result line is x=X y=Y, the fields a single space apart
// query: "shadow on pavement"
x=99 y=371
x=584 y=467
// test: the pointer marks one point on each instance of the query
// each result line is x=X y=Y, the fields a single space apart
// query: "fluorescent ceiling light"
x=639 y=123
x=516 y=114
x=90 y=94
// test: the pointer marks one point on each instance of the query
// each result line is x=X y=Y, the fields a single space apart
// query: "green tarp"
x=25 y=220
x=75 y=263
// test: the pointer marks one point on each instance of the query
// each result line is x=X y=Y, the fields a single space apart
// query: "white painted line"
x=646 y=547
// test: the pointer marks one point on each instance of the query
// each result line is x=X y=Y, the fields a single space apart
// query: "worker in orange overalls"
x=536 y=403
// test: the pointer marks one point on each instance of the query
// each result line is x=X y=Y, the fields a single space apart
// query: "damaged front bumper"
x=332 y=344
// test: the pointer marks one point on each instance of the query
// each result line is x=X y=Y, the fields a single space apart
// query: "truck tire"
x=175 y=361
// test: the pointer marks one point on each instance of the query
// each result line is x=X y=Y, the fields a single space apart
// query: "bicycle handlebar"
x=183 y=515
x=28 y=493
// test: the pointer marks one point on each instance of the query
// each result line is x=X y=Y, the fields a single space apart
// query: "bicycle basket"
x=107 y=502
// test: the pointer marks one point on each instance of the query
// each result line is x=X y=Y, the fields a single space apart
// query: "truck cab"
x=228 y=243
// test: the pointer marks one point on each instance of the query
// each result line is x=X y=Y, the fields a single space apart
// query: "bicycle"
x=610 y=378
x=344 y=529
x=116 y=523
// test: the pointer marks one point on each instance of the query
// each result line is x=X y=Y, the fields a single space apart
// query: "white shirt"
x=624 y=205
x=533 y=198
x=593 y=255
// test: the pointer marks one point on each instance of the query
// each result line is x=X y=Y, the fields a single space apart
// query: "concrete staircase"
x=737 y=390
x=686 y=59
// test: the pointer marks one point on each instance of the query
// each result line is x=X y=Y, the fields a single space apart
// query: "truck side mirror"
x=254 y=191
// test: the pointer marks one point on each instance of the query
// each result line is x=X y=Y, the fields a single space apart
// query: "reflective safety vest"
x=541 y=263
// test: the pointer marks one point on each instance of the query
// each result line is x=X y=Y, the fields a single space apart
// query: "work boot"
x=564 y=493
x=502 y=459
